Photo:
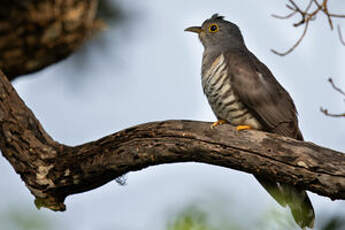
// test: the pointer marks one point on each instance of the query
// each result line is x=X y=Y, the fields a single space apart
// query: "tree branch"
x=306 y=16
x=339 y=90
x=53 y=171
x=37 y=33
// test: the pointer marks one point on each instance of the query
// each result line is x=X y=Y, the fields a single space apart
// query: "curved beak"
x=194 y=29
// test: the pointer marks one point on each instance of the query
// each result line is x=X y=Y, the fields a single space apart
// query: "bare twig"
x=309 y=6
x=325 y=111
x=325 y=10
x=284 y=17
x=295 y=45
x=337 y=15
x=336 y=88
x=295 y=6
x=341 y=36
x=317 y=4
x=307 y=15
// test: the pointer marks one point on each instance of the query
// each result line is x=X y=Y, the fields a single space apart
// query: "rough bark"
x=52 y=171
x=37 y=33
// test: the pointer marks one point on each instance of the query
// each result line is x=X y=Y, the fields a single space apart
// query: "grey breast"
x=225 y=104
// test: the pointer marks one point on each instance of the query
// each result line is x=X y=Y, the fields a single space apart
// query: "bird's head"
x=216 y=33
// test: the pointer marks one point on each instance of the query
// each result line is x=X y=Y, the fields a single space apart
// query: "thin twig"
x=291 y=8
x=325 y=10
x=307 y=15
x=341 y=36
x=284 y=17
x=295 y=5
x=295 y=45
x=336 y=87
x=325 y=111
x=317 y=4
x=337 y=15
x=308 y=6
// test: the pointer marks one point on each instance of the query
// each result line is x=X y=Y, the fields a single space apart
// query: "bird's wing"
x=273 y=107
x=265 y=98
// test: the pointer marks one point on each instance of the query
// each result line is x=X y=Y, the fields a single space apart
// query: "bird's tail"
x=298 y=201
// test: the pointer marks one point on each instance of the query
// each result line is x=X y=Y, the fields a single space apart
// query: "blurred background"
x=144 y=68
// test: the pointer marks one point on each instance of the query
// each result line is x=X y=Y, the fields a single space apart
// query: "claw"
x=219 y=122
x=243 y=127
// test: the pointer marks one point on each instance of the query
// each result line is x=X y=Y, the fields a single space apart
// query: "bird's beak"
x=195 y=29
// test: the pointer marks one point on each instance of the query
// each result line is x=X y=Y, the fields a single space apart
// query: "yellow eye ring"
x=213 y=28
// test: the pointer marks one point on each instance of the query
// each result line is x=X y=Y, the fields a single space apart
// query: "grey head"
x=218 y=34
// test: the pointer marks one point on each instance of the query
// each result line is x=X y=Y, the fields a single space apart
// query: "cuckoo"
x=242 y=91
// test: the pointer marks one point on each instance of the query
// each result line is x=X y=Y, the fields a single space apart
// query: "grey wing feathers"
x=262 y=94
x=273 y=107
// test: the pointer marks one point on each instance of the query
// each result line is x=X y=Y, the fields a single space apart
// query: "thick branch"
x=37 y=33
x=52 y=171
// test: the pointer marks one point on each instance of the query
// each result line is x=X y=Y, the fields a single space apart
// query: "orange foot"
x=243 y=127
x=219 y=122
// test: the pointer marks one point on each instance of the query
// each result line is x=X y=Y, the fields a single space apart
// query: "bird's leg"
x=243 y=127
x=219 y=122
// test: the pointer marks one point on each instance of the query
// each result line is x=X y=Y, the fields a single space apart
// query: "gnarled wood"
x=37 y=33
x=52 y=171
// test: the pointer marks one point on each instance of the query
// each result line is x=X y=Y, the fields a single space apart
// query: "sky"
x=146 y=68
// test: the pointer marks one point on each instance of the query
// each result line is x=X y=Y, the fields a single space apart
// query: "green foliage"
x=190 y=219
x=334 y=223
x=17 y=219
x=277 y=218
x=193 y=218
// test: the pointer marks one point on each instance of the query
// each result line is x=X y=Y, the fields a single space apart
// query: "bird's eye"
x=213 y=28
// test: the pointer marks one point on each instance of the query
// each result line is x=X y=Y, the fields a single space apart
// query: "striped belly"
x=221 y=97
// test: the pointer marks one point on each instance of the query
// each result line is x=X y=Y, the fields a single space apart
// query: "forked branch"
x=308 y=14
x=339 y=90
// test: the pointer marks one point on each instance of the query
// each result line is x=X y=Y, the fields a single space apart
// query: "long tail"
x=298 y=201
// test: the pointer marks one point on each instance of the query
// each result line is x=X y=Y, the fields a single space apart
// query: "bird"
x=242 y=91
